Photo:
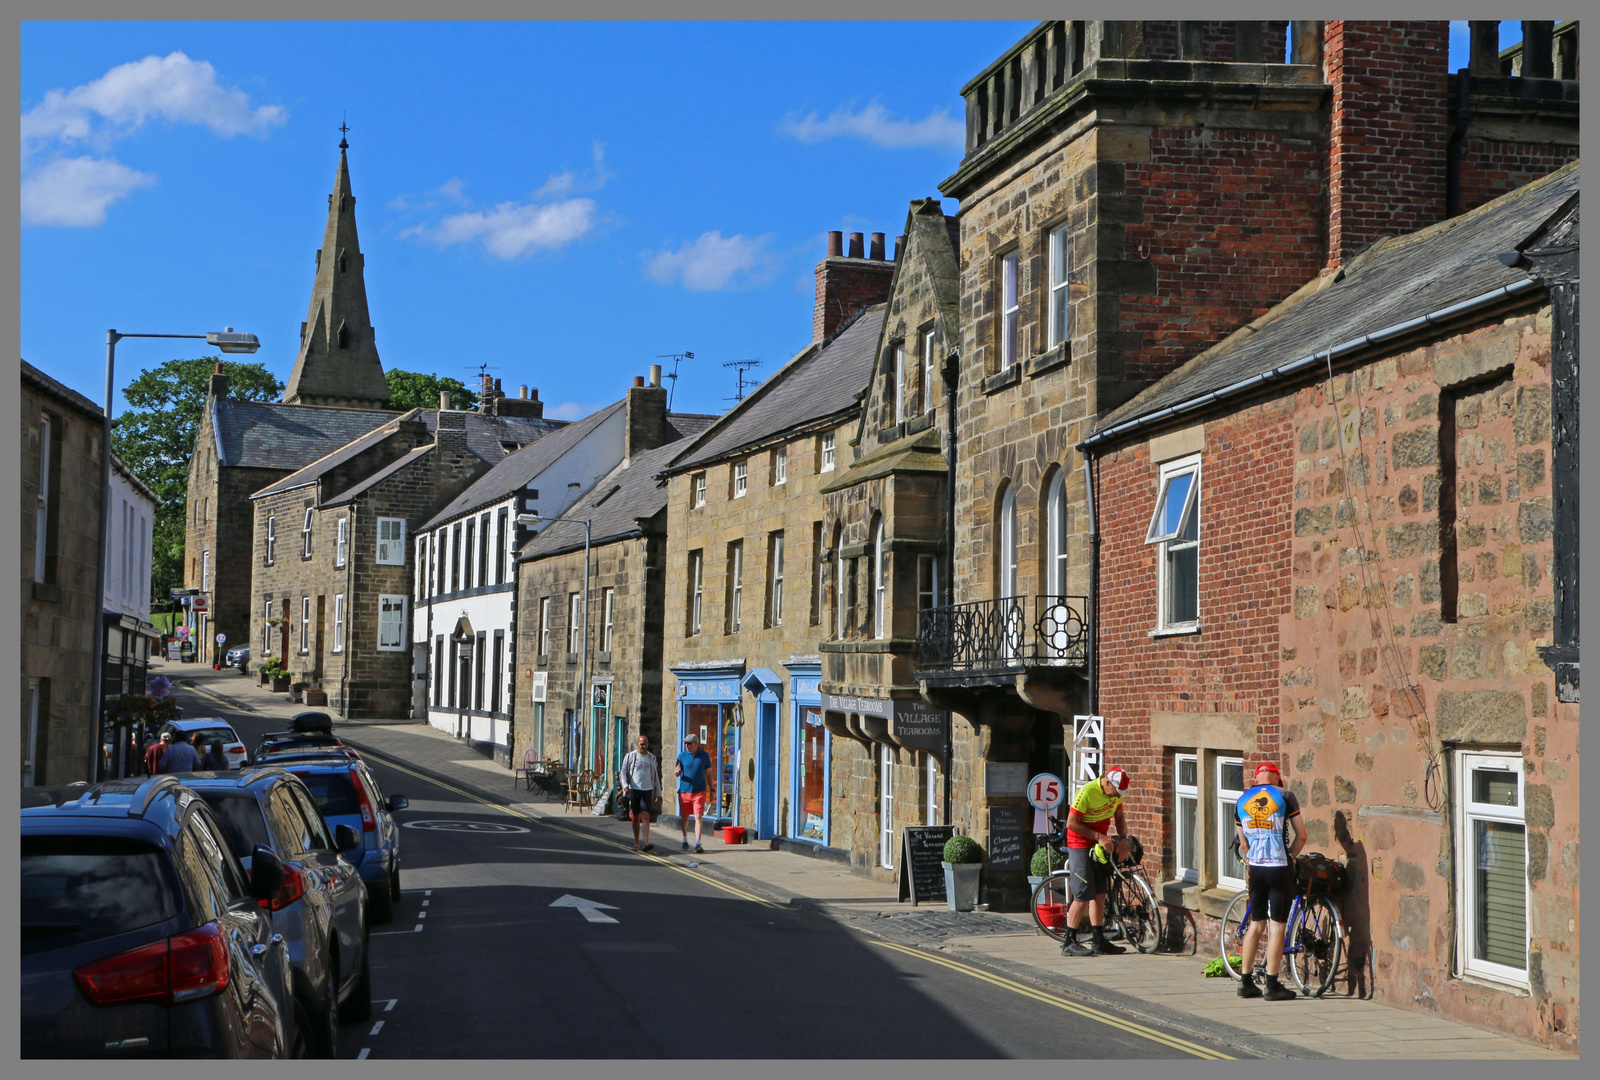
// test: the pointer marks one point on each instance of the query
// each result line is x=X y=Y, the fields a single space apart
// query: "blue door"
x=767 y=771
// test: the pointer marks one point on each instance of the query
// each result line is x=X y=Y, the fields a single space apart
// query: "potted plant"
x=274 y=671
x=963 y=862
x=1044 y=863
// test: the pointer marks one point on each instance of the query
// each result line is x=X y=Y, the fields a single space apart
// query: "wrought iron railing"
x=998 y=635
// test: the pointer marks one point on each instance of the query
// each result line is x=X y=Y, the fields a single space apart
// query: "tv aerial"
x=742 y=366
x=676 y=358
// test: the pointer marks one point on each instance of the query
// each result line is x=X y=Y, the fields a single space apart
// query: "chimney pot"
x=655 y=374
x=899 y=242
x=638 y=381
x=835 y=244
x=876 y=250
x=524 y=393
x=444 y=400
x=855 y=245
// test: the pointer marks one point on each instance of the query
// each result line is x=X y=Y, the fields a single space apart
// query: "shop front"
x=709 y=705
x=809 y=747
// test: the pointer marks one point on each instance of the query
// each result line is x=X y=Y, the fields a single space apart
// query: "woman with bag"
x=641 y=783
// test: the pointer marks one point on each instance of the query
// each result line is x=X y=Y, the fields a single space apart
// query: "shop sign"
x=1088 y=749
x=920 y=726
x=1005 y=779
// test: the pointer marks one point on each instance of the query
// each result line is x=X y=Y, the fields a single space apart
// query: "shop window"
x=717 y=726
x=930 y=783
x=1491 y=867
x=811 y=772
x=1175 y=525
x=391 y=623
x=1230 y=785
x=1186 y=816
x=886 y=807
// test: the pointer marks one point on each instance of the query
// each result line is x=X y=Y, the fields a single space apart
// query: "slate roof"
x=614 y=505
x=816 y=384
x=1395 y=280
x=513 y=471
x=416 y=453
x=272 y=435
x=684 y=425
x=60 y=391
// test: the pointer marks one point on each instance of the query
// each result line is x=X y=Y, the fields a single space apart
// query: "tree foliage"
x=155 y=439
x=414 y=390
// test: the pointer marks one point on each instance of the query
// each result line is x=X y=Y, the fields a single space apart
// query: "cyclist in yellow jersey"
x=1096 y=805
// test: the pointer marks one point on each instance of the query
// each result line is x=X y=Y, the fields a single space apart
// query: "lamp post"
x=225 y=340
x=534 y=520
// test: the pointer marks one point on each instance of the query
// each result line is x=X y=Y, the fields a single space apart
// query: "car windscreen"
x=333 y=792
x=208 y=734
x=83 y=888
x=241 y=819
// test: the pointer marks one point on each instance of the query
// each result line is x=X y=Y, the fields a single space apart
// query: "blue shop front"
x=710 y=704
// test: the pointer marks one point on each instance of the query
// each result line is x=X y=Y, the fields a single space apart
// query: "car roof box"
x=311 y=721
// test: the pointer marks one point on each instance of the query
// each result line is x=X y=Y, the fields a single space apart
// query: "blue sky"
x=561 y=201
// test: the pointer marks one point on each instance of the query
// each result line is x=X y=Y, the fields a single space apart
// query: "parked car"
x=277 y=742
x=346 y=793
x=239 y=657
x=210 y=727
x=142 y=935
x=321 y=908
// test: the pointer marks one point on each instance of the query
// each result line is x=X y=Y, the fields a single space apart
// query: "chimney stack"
x=219 y=382
x=846 y=284
x=527 y=405
x=655 y=374
x=646 y=417
x=876 y=250
x=835 y=244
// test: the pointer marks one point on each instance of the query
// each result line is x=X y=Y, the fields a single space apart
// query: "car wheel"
x=358 y=1006
x=301 y=1047
x=330 y=1022
x=394 y=884
x=380 y=905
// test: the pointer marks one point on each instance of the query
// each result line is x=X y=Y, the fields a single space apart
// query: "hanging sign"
x=1088 y=749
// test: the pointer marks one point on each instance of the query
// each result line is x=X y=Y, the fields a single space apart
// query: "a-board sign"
x=602 y=804
x=1008 y=827
x=922 y=861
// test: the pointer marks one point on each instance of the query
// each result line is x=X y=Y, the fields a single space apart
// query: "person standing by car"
x=181 y=756
x=1261 y=815
x=158 y=750
x=641 y=782
x=215 y=760
x=693 y=764
x=1094 y=807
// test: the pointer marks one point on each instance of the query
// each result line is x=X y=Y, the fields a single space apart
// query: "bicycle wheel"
x=1139 y=914
x=1231 y=938
x=1319 y=937
x=1050 y=900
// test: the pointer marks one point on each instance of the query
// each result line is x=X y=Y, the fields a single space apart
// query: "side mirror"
x=345 y=839
x=398 y=802
x=266 y=873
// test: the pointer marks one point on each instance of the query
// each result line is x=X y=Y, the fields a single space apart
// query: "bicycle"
x=1130 y=903
x=1313 y=939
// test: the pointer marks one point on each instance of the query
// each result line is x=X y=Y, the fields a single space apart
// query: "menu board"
x=1007 y=837
x=922 y=862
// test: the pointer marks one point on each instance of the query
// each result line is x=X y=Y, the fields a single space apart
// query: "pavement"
x=1167 y=988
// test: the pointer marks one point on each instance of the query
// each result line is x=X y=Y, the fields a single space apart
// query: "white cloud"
x=565 y=183
x=874 y=124
x=713 y=262
x=76 y=191
x=568 y=410
x=511 y=229
x=172 y=88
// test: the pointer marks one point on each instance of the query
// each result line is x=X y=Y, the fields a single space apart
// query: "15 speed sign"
x=1046 y=791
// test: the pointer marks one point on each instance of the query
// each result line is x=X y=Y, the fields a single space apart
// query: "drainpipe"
x=1094 y=590
x=951 y=372
x=344 y=668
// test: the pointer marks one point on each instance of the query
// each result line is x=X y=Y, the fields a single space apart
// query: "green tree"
x=155 y=439
x=413 y=390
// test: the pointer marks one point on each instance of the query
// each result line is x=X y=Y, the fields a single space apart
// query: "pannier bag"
x=1317 y=875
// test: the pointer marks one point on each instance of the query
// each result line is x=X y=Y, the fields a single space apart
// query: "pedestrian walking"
x=158 y=750
x=215 y=760
x=1096 y=805
x=181 y=756
x=1261 y=817
x=641 y=783
x=693 y=764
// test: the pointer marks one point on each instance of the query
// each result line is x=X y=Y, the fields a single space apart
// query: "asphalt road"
x=517 y=939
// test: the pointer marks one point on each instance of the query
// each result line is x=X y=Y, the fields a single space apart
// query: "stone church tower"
x=338 y=362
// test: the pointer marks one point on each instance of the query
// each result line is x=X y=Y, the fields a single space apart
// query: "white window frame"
x=698 y=482
x=899 y=382
x=1055 y=510
x=827 y=452
x=780 y=466
x=1059 y=324
x=305 y=624
x=1186 y=794
x=1006 y=570
x=930 y=812
x=816 y=573
x=840 y=615
x=392 y=616
x=927 y=371
x=392 y=550
x=1469 y=812
x=1167 y=532
x=886 y=807
x=340 y=539
x=266 y=626
x=420 y=574
x=775 y=579
x=879 y=586
x=1010 y=309
x=574 y=622
x=544 y=626
x=927 y=582
x=338 y=622
x=741 y=478
x=41 y=528
x=608 y=604
x=697 y=566
x=305 y=532
x=272 y=540
x=735 y=585
x=205 y=571
x=1225 y=830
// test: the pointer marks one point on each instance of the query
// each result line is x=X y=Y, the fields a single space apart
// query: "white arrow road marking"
x=589 y=909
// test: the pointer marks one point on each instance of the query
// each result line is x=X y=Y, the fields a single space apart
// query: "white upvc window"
x=1058 y=322
x=338 y=622
x=608 y=604
x=775 y=579
x=205 y=571
x=741 y=478
x=841 y=614
x=266 y=631
x=879 y=591
x=305 y=624
x=827 y=452
x=1186 y=815
x=272 y=539
x=696 y=588
x=41 y=525
x=1175 y=525
x=780 y=466
x=928 y=400
x=1055 y=511
x=1010 y=311
x=1230 y=785
x=735 y=585
x=1491 y=867
x=899 y=382
x=341 y=538
x=391 y=542
x=391 y=623
x=1006 y=569
x=305 y=533
x=698 y=482
x=927 y=582
x=574 y=621
x=544 y=626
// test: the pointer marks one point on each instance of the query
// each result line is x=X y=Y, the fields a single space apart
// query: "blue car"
x=142 y=935
x=346 y=793
x=321 y=908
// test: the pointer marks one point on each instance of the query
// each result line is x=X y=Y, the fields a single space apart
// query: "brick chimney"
x=451 y=433
x=646 y=408
x=1389 y=130
x=528 y=406
x=849 y=283
x=219 y=383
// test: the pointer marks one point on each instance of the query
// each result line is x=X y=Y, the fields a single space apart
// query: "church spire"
x=338 y=362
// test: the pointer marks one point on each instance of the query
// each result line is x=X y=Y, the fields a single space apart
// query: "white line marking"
x=427 y=892
x=417 y=929
x=377 y=1027
x=391 y=933
x=425 y=903
x=595 y=916
x=422 y=914
x=365 y=1050
x=390 y=1007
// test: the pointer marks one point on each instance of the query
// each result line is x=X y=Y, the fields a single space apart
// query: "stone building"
x=62 y=440
x=1344 y=540
x=1131 y=193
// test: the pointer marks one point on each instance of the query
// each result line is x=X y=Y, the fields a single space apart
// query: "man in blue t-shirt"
x=1260 y=818
x=693 y=763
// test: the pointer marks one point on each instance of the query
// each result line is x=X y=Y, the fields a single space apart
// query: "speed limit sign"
x=1046 y=791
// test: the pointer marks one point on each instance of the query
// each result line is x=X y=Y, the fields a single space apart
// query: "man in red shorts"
x=693 y=764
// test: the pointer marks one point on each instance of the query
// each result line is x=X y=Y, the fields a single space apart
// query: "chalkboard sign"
x=1008 y=826
x=922 y=862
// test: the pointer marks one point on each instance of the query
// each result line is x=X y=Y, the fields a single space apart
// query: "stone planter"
x=297 y=693
x=316 y=695
x=280 y=685
x=961 y=885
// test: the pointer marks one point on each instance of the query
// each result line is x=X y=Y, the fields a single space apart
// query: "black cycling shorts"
x=1270 y=890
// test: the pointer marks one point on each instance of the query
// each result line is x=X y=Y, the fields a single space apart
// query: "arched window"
x=840 y=612
x=1006 y=549
x=1055 y=530
x=879 y=593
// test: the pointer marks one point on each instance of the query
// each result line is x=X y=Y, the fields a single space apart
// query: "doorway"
x=886 y=806
x=766 y=769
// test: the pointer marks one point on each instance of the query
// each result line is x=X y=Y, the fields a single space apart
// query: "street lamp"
x=226 y=340
x=532 y=521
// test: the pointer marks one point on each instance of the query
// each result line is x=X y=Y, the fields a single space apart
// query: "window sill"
x=47 y=592
x=1176 y=631
x=604 y=657
x=1049 y=361
x=1490 y=982
x=1001 y=379
x=542 y=660
x=572 y=658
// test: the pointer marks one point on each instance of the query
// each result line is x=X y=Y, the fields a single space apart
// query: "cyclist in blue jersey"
x=1261 y=817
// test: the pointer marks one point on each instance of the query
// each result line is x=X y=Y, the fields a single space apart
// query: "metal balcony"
x=997 y=636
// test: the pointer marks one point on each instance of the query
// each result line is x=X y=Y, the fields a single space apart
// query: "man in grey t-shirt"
x=641 y=780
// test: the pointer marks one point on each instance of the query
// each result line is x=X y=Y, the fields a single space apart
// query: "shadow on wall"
x=1356 y=906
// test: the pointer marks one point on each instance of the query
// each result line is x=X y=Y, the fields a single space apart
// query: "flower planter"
x=316 y=696
x=961 y=885
x=280 y=685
